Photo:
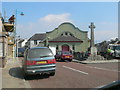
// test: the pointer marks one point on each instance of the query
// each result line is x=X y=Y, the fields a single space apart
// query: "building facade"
x=3 y=44
x=66 y=37
x=35 y=40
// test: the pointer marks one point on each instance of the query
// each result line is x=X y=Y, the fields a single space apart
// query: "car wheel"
x=62 y=60
x=70 y=60
x=24 y=75
x=52 y=74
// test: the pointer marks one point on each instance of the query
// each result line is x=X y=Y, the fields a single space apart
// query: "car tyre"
x=25 y=75
x=70 y=60
x=62 y=60
x=52 y=74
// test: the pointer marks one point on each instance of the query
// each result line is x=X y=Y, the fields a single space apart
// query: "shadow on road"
x=36 y=77
x=62 y=61
x=18 y=73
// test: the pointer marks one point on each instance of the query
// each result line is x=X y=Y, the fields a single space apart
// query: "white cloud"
x=101 y=35
x=106 y=31
x=52 y=21
x=44 y=24
x=55 y=18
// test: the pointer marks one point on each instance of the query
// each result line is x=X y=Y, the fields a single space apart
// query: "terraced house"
x=66 y=37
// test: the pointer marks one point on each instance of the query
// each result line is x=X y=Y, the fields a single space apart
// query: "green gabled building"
x=66 y=37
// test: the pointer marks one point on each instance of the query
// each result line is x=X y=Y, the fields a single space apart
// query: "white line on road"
x=103 y=69
x=75 y=70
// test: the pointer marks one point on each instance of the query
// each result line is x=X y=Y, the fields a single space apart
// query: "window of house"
x=66 y=33
x=61 y=34
x=71 y=34
x=35 y=42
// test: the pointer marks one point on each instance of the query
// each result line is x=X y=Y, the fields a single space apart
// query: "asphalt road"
x=76 y=75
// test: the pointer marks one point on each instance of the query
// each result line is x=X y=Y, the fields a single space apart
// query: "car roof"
x=38 y=47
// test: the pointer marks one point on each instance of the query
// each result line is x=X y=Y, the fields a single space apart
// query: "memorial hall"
x=65 y=37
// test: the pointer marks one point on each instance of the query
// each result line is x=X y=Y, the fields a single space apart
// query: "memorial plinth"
x=93 y=49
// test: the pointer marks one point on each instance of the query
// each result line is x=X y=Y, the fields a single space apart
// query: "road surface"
x=76 y=75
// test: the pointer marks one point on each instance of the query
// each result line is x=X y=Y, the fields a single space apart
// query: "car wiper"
x=45 y=56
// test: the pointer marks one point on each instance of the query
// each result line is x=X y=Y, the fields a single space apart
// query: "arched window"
x=71 y=34
x=66 y=34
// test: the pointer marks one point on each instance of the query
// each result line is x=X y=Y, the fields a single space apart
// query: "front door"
x=65 y=48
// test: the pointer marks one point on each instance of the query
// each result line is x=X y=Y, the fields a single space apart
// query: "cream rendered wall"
x=68 y=27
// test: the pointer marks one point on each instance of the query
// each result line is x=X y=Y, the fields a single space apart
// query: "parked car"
x=64 y=55
x=38 y=60
x=21 y=52
x=58 y=55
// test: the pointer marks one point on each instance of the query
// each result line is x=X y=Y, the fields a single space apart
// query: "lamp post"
x=14 y=33
x=16 y=12
x=17 y=41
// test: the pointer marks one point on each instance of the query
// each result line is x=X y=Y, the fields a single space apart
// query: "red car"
x=64 y=55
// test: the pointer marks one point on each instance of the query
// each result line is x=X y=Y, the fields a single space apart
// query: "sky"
x=41 y=17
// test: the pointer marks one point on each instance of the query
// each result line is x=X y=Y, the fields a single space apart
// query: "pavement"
x=12 y=75
x=97 y=61
x=0 y=78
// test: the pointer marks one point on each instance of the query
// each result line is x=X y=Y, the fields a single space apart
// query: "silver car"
x=38 y=60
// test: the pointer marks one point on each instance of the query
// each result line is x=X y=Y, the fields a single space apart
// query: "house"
x=66 y=37
x=37 y=39
x=21 y=43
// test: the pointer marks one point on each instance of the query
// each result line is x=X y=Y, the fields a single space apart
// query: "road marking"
x=75 y=70
x=103 y=69
x=106 y=69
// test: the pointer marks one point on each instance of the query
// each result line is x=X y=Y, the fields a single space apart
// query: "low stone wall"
x=79 y=56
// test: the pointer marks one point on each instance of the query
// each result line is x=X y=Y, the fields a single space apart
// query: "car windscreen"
x=39 y=53
x=117 y=47
x=21 y=49
x=66 y=53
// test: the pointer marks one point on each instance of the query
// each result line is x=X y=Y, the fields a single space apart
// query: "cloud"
x=101 y=35
x=44 y=24
x=55 y=18
x=106 y=31
x=52 y=21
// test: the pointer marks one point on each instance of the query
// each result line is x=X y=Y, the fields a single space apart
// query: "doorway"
x=65 y=47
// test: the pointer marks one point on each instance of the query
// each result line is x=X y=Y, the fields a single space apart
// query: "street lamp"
x=22 y=14
x=14 y=33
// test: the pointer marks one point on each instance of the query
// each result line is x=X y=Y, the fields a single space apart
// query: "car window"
x=58 y=53
x=39 y=53
x=117 y=47
x=66 y=53
x=21 y=49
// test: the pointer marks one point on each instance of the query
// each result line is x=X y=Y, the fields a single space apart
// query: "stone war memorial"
x=93 y=49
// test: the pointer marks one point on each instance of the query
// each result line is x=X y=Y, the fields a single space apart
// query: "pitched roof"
x=65 y=39
x=38 y=36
